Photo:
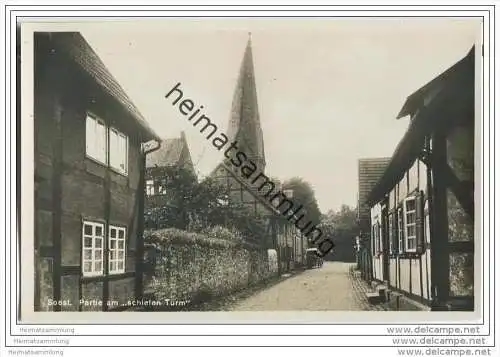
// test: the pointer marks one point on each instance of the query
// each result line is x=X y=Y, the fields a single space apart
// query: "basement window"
x=116 y=261
x=92 y=248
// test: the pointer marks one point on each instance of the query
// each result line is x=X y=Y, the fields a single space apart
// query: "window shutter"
x=379 y=237
x=401 y=230
x=390 y=232
x=419 y=222
x=372 y=240
x=394 y=228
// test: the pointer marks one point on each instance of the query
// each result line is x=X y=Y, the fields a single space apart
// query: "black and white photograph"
x=235 y=176
x=254 y=164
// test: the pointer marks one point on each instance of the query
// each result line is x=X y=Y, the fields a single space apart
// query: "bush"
x=220 y=232
x=170 y=236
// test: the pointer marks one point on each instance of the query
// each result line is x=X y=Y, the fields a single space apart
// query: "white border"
x=133 y=332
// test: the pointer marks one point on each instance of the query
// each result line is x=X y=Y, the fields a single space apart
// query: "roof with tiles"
x=370 y=170
x=77 y=49
x=169 y=153
x=172 y=152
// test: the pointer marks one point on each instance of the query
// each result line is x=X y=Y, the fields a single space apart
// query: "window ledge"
x=118 y=272
x=118 y=171
x=92 y=276
x=96 y=161
x=109 y=276
x=409 y=255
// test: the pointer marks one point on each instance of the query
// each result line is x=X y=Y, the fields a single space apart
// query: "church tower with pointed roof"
x=244 y=123
x=245 y=130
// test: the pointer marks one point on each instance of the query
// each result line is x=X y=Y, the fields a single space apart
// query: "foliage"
x=171 y=208
x=303 y=194
x=167 y=236
x=341 y=225
x=251 y=225
x=223 y=233
x=199 y=207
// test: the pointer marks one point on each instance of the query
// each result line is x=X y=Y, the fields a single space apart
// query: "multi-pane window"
x=116 y=247
x=410 y=224
x=118 y=151
x=400 y=230
x=150 y=188
x=96 y=139
x=92 y=248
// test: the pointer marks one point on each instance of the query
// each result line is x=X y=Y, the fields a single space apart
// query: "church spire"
x=244 y=123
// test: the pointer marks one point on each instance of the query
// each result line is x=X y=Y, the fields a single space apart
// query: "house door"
x=385 y=244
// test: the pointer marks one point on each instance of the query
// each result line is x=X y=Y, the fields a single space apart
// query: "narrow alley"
x=335 y=286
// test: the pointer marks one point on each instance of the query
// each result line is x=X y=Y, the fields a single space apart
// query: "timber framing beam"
x=463 y=190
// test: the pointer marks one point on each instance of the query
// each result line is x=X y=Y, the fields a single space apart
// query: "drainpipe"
x=139 y=264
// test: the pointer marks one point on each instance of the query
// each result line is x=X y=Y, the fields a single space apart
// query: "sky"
x=328 y=90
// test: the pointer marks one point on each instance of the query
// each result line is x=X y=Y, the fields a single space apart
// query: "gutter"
x=139 y=289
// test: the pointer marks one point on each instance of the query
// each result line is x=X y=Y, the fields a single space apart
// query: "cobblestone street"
x=335 y=286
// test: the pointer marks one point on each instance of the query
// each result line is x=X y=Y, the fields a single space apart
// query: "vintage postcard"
x=280 y=168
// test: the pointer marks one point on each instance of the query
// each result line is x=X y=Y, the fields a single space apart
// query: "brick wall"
x=193 y=267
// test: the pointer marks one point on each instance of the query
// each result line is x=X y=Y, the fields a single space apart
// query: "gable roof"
x=75 y=48
x=453 y=100
x=417 y=98
x=169 y=153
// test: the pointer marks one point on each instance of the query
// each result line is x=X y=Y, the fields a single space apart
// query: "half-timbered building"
x=89 y=177
x=422 y=208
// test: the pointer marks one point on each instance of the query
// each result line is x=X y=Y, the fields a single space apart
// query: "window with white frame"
x=118 y=150
x=92 y=248
x=410 y=215
x=150 y=188
x=400 y=221
x=116 y=262
x=96 y=143
x=106 y=145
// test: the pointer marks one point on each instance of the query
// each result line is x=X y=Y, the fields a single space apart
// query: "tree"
x=341 y=227
x=183 y=200
x=168 y=209
x=303 y=194
x=196 y=206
